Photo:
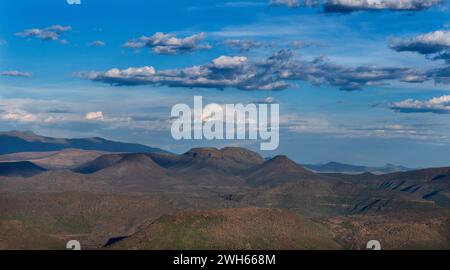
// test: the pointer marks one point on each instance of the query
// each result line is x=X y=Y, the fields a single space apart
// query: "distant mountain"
x=20 y=169
x=64 y=159
x=226 y=160
x=17 y=141
x=336 y=167
x=198 y=166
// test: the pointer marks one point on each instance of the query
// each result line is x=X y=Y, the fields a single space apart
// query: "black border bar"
x=283 y=259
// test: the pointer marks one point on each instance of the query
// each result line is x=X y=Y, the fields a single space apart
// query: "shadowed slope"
x=134 y=165
x=99 y=163
x=431 y=184
x=20 y=169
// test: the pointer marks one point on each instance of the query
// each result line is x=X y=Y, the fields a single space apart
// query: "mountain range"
x=336 y=167
x=18 y=141
x=27 y=146
x=208 y=198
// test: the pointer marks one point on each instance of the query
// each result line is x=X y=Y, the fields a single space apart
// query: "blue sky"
x=366 y=86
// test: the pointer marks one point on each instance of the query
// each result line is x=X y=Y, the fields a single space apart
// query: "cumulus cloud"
x=276 y=72
x=437 y=42
x=321 y=72
x=93 y=116
x=434 y=45
x=229 y=62
x=161 y=43
x=97 y=43
x=15 y=73
x=222 y=72
x=348 y=6
x=243 y=45
x=52 y=33
x=439 y=105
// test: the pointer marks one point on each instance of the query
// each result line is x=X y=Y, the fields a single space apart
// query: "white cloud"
x=161 y=43
x=273 y=73
x=439 y=105
x=229 y=61
x=15 y=73
x=93 y=116
x=222 y=72
x=49 y=33
x=131 y=72
x=429 y=43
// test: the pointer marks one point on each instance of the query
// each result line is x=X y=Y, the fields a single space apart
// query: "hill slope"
x=17 y=235
x=243 y=228
x=411 y=229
